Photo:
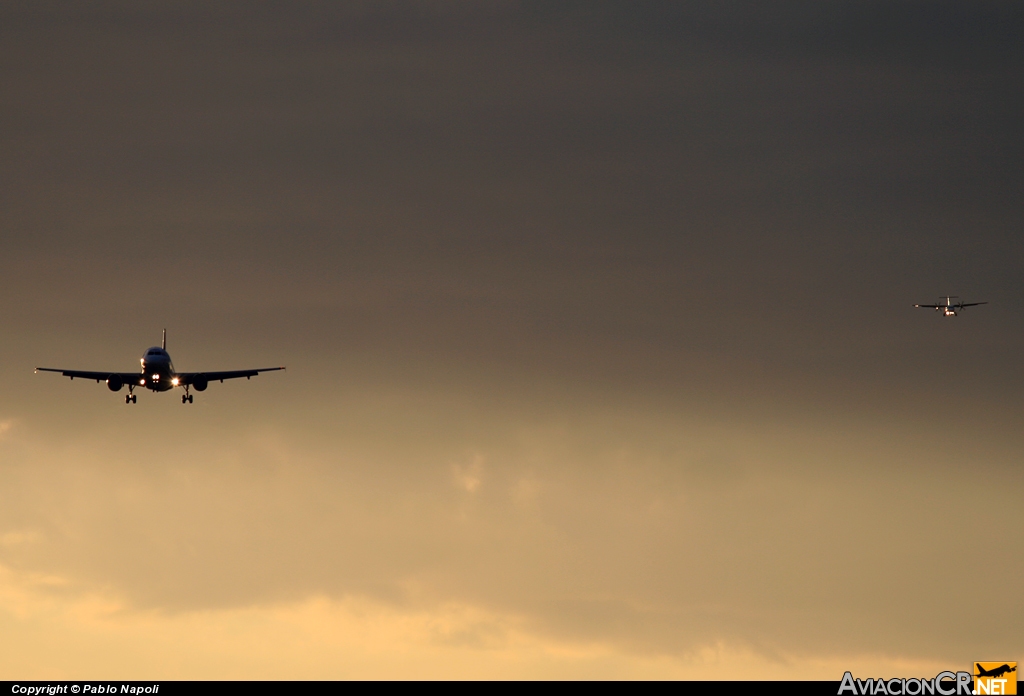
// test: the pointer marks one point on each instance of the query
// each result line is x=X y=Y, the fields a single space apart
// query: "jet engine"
x=114 y=383
x=200 y=382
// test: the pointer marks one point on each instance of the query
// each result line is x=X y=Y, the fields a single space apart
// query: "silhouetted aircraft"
x=949 y=308
x=158 y=375
x=995 y=672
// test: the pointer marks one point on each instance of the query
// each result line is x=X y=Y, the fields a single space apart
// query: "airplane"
x=949 y=308
x=158 y=375
x=996 y=672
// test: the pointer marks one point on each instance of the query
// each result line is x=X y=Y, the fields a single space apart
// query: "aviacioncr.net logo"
x=942 y=684
x=995 y=678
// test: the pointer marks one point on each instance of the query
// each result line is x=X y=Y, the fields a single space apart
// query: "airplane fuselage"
x=950 y=309
x=157 y=370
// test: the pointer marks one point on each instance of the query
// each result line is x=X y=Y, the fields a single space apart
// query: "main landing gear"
x=186 y=398
x=130 y=398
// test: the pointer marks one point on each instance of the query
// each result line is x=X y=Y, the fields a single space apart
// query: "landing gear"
x=186 y=398
x=130 y=398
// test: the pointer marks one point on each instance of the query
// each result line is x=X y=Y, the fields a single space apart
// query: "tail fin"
x=163 y=343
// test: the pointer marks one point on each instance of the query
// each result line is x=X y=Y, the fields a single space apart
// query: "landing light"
x=174 y=381
x=156 y=378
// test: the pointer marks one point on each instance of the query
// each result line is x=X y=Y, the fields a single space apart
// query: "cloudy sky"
x=602 y=360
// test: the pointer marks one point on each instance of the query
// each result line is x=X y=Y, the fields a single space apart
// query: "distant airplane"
x=949 y=308
x=158 y=375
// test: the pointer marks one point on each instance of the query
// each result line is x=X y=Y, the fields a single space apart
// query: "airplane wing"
x=189 y=377
x=971 y=304
x=930 y=306
x=126 y=377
